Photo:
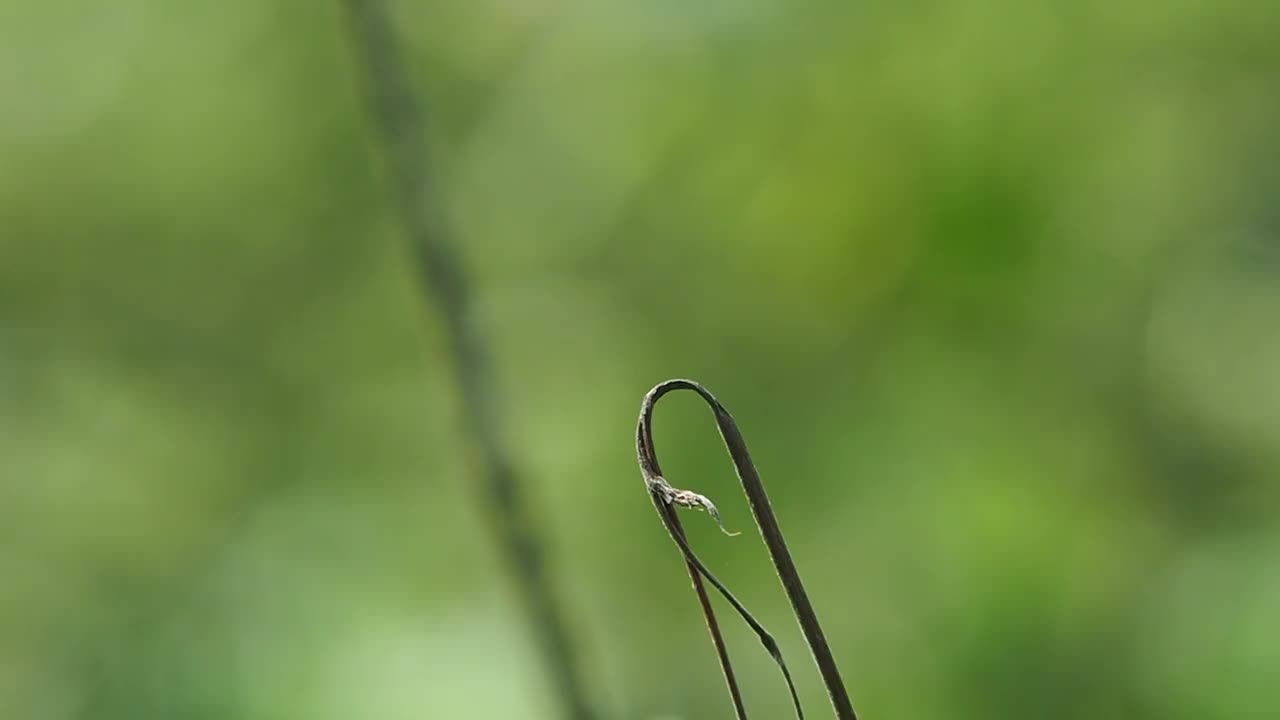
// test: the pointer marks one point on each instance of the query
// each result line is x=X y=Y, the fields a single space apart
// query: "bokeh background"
x=992 y=287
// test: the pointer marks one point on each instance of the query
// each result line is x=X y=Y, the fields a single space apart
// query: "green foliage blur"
x=992 y=288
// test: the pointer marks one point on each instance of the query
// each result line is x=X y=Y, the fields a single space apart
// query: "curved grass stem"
x=666 y=499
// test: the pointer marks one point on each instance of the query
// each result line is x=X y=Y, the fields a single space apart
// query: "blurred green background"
x=993 y=289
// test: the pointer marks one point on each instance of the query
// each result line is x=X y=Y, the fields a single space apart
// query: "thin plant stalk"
x=399 y=124
x=713 y=626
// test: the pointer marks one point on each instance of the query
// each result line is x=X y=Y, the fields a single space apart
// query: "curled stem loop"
x=665 y=500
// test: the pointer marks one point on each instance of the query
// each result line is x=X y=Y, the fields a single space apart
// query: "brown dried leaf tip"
x=689 y=499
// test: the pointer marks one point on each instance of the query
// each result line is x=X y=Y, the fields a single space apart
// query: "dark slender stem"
x=709 y=614
x=665 y=498
x=400 y=124
x=766 y=522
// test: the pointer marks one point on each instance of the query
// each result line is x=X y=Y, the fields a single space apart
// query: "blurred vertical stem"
x=400 y=126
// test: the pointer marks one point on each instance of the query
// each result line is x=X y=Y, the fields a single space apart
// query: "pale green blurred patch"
x=992 y=289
